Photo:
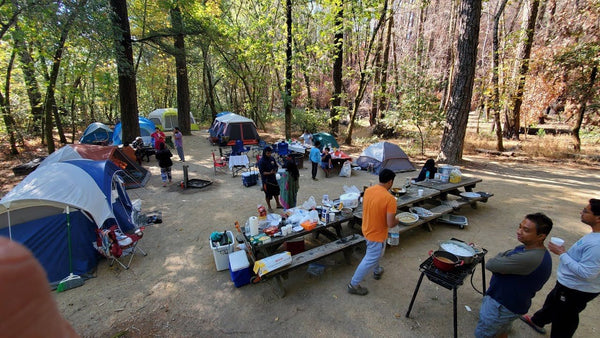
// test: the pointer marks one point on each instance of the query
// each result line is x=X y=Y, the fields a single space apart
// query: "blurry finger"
x=28 y=309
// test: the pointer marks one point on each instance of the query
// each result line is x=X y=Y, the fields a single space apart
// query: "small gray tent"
x=385 y=155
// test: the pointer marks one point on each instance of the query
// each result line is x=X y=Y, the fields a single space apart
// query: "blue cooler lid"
x=238 y=260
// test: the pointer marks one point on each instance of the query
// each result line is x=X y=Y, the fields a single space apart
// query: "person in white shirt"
x=307 y=137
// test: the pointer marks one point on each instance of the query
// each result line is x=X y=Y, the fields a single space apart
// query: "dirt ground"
x=176 y=291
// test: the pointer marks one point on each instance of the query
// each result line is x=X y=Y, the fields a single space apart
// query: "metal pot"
x=444 y=260
x=460 y=249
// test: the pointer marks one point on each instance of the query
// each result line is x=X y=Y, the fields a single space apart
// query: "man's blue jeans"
x=370 y=261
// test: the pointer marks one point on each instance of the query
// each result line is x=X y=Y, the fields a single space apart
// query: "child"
x=326 y=161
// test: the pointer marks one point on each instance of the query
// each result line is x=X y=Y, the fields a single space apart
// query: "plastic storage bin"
x=250 y=178
x=221 y=252
x=239 y=268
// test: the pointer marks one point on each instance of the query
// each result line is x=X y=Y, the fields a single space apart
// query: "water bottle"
x=427 y=176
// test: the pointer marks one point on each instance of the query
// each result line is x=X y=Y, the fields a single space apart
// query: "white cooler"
x=221 y=252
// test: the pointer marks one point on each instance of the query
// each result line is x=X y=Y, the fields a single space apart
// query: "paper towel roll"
x=253 y=223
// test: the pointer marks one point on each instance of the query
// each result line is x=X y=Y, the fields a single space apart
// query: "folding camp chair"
x=238 y=148
x=220 y=163
x=113 y=244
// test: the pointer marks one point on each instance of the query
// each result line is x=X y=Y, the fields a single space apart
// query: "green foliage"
x=312 y=119
x=418 y=104
x=541 y=132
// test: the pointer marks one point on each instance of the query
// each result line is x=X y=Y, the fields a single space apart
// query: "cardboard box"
x=272 y=263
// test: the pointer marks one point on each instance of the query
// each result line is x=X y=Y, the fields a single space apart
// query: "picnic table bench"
x=344 y=244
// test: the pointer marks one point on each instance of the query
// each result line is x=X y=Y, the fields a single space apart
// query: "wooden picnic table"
x=435 y=195
x=338 y=243
x=445 y=188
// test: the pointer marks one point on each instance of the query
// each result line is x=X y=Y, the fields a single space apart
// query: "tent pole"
x=9 y=228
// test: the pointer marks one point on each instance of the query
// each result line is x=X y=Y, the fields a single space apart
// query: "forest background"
x=410 y=69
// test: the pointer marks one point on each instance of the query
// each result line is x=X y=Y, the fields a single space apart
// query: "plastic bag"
x=455 y=176
x=352 y=189
x=309 y=204
x=346 y=170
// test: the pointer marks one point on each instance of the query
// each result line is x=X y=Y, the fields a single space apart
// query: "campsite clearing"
x=176 y=290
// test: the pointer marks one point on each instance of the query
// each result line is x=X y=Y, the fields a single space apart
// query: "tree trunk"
x=585 y=98
x=208 y=81
x=287 y=97
x=448 y=76
x=338 y=41
x=495 y=84
x=9 y=121
x=384 y=67
x=365 y=74
x=462 y=83
x=124 y=57
x=183 y=88
x=527 y=33
x=32 y=87
x=49 y=101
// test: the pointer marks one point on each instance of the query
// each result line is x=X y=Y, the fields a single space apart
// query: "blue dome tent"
x=146 y=129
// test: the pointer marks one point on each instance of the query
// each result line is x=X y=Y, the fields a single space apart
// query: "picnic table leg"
x=280 y=291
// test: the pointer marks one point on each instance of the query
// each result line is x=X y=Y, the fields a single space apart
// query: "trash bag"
x=346 y=170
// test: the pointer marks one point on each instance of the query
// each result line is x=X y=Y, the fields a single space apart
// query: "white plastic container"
x=221 y=252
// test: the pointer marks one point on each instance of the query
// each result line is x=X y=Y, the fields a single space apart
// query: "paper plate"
x=407 y=218
x=469 y=194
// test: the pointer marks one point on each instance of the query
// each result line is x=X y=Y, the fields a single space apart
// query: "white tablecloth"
x=241 y=160
x=296 y=147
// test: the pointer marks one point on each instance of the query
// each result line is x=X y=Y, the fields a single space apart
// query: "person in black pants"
x=315 y=159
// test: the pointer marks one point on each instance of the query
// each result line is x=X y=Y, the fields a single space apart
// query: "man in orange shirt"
x=379 y=210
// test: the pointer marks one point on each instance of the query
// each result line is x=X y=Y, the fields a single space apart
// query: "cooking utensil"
x=460 y=249
x=444 y=260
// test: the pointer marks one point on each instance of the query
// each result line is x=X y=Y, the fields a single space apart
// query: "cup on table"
x=420 y=192
x=557 y=241
x=331 y=216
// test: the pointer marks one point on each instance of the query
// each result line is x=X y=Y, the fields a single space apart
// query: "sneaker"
x=357 y=290
x=377 y=275
x=527 y=320
x=315 y=179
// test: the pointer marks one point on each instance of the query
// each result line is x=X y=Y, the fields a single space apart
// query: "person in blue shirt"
x=517 y=274
x=578 y=280
x=315 y=159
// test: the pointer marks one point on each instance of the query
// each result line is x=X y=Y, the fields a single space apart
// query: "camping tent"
x=97 y=133
x=135 y=175
x=326 y=140
x=146 y=129
x=81 y=193
x=230 y=127
x=166 y=119
x=385 y=155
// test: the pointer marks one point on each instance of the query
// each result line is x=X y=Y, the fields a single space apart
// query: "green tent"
x=327 y=140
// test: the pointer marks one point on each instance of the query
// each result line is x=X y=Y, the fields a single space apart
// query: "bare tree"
x=495 y=69
x=513 y=122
